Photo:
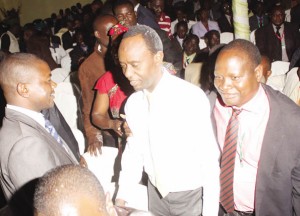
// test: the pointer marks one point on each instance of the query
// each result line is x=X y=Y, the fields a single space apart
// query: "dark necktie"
x=228 y=161
x=50 y=128
x=260 y=21
x=277 y=32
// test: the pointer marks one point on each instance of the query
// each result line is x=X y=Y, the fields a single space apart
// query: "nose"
x=223 y=84
x=127 y=71
x=53 y=84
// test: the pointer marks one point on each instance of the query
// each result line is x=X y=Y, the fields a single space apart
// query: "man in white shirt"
x=172 y=137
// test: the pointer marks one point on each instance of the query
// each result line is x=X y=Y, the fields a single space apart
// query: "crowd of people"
x=227 y=145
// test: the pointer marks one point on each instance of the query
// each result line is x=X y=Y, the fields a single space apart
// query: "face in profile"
x=235 y=79
x=139 y=65
x=40 y=87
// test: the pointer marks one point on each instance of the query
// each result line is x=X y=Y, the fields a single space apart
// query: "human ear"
x=158 y=57
x=258 y=72
x=96 y=34
x=23 y=90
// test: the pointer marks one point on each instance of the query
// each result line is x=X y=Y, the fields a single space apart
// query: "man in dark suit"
x=124 y=12
x=278 y=40
x=225 y=21
x=259 y=19
x=144 y=15
x=258 y=133
x=30 y=145
x=68 y=38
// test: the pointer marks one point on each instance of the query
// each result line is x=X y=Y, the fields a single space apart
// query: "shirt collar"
x=136 y=7
x=37 y=116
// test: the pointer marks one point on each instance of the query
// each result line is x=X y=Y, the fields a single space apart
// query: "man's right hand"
x=94 y=146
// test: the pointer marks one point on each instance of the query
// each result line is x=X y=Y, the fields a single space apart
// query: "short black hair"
x=122 y=2
x=246 y=47
x=65 y=184
x=151 y=38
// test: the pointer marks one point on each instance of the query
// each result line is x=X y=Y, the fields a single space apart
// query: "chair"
x=278 y=76
x=192 y=73
x=292 y=85
x=67 y=105
x=252 y=36
x=226 y=37
x=59 y=75
x=202 y=43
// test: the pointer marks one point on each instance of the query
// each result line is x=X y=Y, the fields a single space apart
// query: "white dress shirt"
x=199 y=29
x=173 y=141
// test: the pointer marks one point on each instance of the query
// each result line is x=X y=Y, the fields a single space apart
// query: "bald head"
x=102 y=25
x=69 y=190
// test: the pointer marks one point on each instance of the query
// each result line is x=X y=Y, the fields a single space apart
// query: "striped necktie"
x=50 y=128
x=227 y=162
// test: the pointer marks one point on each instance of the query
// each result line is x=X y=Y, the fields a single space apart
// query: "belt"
x=248 y=213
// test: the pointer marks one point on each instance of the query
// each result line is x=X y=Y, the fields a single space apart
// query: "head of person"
x=101 y=26
x=180 y=14
x=266 y=64
x=141 y=57
x=277 y=15
x=238 y=72
x=26 y=82
x=202 y=15
x=226 y=8
x=70 y=25
x=212 y=38
x=259 y=9
x=190 y=44
x=124 y=12
x=69 y=190
x=157 y=6
x=182 y=29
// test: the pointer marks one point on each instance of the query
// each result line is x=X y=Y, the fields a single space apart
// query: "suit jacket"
x=27 y=152
x=67 y=40
x=269 y=45
x=224 y=24
x=277 y=190
x=253 y=22
x=171 y=52
x=146 y=17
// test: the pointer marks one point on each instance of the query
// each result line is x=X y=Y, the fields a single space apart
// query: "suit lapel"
x=17 y=116
x=270 y=149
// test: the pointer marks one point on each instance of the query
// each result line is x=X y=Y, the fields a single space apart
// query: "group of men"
x=245 y=160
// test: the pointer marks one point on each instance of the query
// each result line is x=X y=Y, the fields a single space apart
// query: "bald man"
x=71 y=190
x=29 y=144
x=89 y=72
x=258 y=133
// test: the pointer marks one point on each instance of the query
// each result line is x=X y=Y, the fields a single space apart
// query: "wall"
x=33 y=9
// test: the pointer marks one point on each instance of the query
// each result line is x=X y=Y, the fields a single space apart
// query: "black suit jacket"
x=253 y=22
x=58 y=121
x=269 y=45
x=67 y=40
x=224 y=25
x=171 y=52
x=146 y=17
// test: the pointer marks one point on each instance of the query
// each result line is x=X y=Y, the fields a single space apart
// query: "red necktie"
x=227 y=162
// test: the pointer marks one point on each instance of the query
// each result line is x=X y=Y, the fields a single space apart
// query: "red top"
x=107 y=85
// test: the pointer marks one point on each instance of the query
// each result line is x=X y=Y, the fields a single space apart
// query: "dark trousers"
x=184 y=203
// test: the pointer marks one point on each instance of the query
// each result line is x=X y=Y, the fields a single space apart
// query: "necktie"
x=277 y=32
x=260 y=21
x=50 y=128
x=187 y=61
x=227 y=162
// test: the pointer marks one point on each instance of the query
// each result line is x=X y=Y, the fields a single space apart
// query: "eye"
x=235 y=78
